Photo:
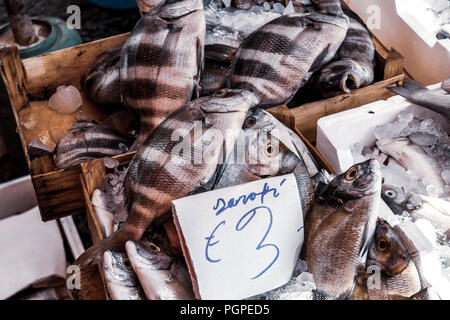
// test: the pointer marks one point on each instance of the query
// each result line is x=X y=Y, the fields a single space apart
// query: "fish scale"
x=298 y=44
x=161 y=62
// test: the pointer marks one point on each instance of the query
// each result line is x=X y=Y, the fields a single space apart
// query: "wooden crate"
x=31 y=82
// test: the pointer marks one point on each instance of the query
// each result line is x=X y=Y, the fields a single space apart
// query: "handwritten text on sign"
x=242 y=240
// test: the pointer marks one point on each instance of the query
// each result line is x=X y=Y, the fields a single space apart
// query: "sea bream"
x=120 y=279
x=159 y=173
x=267 y=148
x=161 y=62
x=158 y=272
x=102 y=83
x=88 y=140
x=354 y=65
x=413 y=157
x=419 y=94
x=397 y=259
x=340 y=227
x=279 y=57
x=214 y=77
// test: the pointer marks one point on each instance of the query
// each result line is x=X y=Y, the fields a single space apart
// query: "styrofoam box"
x=337 y=133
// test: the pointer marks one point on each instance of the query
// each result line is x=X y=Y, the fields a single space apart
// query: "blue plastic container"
x=115 y=4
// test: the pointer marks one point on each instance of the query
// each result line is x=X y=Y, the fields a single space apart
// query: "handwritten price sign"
x=243 y=240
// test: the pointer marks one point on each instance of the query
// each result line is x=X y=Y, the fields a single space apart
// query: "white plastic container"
x=337 y=133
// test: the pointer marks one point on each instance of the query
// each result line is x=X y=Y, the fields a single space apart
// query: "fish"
x=418 y=206
x=412 y=157
x=88 y=140
x=398 y=262
x=155 y=270
x=102 y=82
x=214 y=77
x=103 y=212
x=419 y=94
x=120 y=279
x=445 y=85
x=159 y=174
x=353 y=67
x=145 y=6
x=161 y=63
x=279 y=57
x=340 y=228
x=260 y=153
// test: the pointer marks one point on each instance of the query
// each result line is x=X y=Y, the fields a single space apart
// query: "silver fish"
x=161 y=62
x=158 y=174
x=155 y=271
x=121 y=281
x=260 y=153
x=102 y=83
x=413 y=157
x=445 y=85
x=419 y=94
x=88 y=140
x=418 y=206
x=340 y=227
x=103 y=212
x=279 y=57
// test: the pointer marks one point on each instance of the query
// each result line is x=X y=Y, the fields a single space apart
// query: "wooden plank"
x=394 y=64
x=67 y=66
x=307 y=115
x=93 y=224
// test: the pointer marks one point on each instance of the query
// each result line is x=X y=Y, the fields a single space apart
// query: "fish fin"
x=200 y=65
x=413 y=85
x=401 y=91
x=318 y=62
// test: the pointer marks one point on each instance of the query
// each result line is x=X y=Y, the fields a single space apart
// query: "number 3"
x=261 y=244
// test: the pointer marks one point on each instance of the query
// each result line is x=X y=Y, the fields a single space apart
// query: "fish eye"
x=382 y=244
x=249 y=122
x=154 y=247
x=126 y=263
x=351 y=174
x=391 y=193
x=270 y=150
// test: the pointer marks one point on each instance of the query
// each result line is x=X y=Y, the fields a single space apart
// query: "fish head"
x=266 y=155
x=360 y=180
x=145 y=6
x=387 y=250
x=175 y=8
x=340 y=76
x=395 y=197
x=118 y=268
x=149 y=254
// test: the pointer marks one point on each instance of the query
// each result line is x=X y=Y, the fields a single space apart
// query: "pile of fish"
x=184 y=70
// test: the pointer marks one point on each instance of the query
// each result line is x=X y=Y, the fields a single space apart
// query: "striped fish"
x=278 y=58
x=88 y=140
x=102 y=83
x=158 y=174
x=354 y=66
x=161 y=62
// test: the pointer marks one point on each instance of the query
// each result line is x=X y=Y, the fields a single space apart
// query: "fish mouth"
x=369 y=176
x=349 y=82
x=145 y=255
x=113 y=264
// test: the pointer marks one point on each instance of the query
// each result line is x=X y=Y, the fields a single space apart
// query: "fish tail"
x=413 y=85
x=402 y=92
x=115 y=242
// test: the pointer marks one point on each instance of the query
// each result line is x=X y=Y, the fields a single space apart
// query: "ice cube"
x=405 y=116
x=111 y=163
x=289 y=8
x=226 y=3
x=423 y=139
x=446 y=176
x=433 y=191
x=266 y=6
x=390 y=130
x=357 y=148
x=65 y=99
x=278 y=8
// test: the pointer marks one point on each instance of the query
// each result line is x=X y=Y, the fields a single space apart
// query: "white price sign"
x=243 y=240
